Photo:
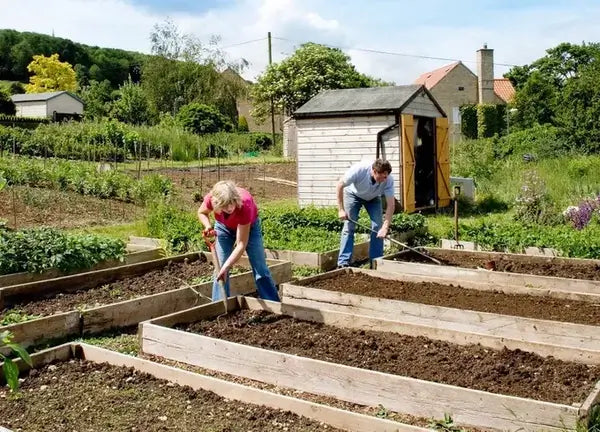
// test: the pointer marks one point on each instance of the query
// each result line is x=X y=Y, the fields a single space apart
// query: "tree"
x=202 y=119
x=183 y=70
x=7 y=106
x=50 y=74
x=97 y=97
x=297 y=79
x=535 y=101
x=132 y=105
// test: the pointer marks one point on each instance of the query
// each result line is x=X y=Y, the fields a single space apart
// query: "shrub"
x=491 y=120
x=541 y=141
x=181 y=229
x=243 y=124
x=7 y=106
x=468 y=126
x=202 y=119
x=37 y=249
x=533 y=204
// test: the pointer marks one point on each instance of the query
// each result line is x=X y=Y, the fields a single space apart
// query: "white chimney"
x=485 y=75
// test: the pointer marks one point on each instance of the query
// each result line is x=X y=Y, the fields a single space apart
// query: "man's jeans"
x=352 y=205
x=256 y=255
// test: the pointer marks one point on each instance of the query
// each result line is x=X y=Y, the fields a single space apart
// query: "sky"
x=395 y=40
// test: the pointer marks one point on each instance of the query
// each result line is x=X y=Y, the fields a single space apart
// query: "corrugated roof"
x=430 y=79
x=35 y=97
x=359 y=100
x=504 y=89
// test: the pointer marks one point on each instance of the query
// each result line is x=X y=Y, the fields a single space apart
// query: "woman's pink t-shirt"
x=244 y=215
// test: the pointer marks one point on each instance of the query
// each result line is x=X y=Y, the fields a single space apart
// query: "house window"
x=461 y=88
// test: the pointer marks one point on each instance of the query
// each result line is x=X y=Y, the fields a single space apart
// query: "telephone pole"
x=272 y=108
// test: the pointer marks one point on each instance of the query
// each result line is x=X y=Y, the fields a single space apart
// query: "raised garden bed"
x=139 y=249
x=437 y=308
x=363 y=360
x=324 y=261
x=502 y=269
x=78 y=386
x=118 y=297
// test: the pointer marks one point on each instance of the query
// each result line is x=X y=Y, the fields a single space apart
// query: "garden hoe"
x=397 y=242
x=210 y=239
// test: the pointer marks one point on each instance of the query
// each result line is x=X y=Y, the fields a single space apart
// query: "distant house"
x=455 y=85
x=58 y=105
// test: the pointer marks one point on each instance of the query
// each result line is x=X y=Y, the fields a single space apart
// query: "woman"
x=236 y=222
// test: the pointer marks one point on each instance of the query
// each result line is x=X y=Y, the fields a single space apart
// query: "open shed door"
x=442 y=162
x=408 y=163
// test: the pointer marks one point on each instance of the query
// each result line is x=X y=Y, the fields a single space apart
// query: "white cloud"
x=454 y=30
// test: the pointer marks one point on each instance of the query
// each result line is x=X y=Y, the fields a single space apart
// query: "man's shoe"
x=341 y=266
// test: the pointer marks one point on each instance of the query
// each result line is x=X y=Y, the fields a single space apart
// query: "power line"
x=394 y=53
x=244 y=43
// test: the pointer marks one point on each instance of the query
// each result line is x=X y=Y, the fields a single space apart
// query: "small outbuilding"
x=57 y=106
x=403 y=124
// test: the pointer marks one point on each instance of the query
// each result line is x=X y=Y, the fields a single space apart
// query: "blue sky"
x=418 y=36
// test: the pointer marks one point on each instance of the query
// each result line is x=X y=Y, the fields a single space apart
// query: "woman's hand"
x=222 y=276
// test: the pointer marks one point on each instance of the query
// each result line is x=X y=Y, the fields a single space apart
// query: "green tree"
x=50 y=74
x=7 y=106
x=202 y=119
x=131 y=105
x=183 y=70
x=535 y=101
x=295 y=80
x=97 y=97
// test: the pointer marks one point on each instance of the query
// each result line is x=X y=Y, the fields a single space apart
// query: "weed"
x=9 y=368
x=382 y=412
x=16 y=316
x=445 y=425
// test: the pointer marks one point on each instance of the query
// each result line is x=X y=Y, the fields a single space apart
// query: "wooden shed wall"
x=327 y=147
x=31 y=109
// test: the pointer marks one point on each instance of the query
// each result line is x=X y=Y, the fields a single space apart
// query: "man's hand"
x=342 y=214
x=382 y=233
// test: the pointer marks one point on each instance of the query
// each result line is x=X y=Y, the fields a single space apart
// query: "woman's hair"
x=224 y=193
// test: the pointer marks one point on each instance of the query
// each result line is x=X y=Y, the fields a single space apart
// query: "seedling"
x=9 y=367
x=445 y=425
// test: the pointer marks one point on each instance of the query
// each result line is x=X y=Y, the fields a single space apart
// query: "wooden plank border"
x=334 y=417
x=546 y=285
x=131 y=312
x=324 y=261
x=412 y=396
x=565 y=341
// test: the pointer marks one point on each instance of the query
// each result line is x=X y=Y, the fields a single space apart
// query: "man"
x=362 y=185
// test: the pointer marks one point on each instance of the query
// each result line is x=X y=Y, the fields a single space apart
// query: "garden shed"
x=403 y=124
x=58 y=105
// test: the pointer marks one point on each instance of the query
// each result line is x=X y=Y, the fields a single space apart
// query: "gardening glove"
x=209 y=233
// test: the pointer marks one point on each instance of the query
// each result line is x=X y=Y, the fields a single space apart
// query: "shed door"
x=408 y=164
x=442 y=162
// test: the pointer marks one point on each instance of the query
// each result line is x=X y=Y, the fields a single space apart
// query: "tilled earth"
x=541 y=266
x=541 y=307
x=172 y=276
x=509 y=372
x=83 y=396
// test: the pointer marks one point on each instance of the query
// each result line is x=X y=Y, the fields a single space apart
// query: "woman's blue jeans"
x=352 y=205
x=265 y=286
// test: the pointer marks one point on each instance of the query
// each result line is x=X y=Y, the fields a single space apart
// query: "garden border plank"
x=335 y=417
x=398 y=393
x=505 y=281
x=322 y=260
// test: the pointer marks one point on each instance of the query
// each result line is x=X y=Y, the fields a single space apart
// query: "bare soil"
x=257 y=179
x=173 y=276
x=60 y=209
x=455 y=296
x=541 y=266
x=80 y=395
x=509 y=372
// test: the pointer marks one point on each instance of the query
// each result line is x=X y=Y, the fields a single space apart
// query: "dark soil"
x=171 y=277
x=541 y=266
x=195 y=180
x=454 y=296
x=60 y=209
x=509 y=372
x=79 y=395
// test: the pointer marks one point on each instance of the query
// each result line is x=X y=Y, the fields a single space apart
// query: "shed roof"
x=38 y=97
x=361 y=100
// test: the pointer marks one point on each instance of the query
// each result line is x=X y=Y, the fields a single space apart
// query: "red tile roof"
x=430 y=79
x=504 y=89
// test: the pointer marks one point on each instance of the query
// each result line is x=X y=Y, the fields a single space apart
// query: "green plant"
x=533 y=204
x=242 y=124
x=302 y=271
x=9 y=367
x=490 y=120
x=592 y=424
x=202 y=119
x=445 y=425
x=382 y=412
x=468 y=126
x=181 y=229
x=15 y=316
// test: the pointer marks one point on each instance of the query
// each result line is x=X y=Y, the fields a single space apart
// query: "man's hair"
x=225 y=193
x=380 y=166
